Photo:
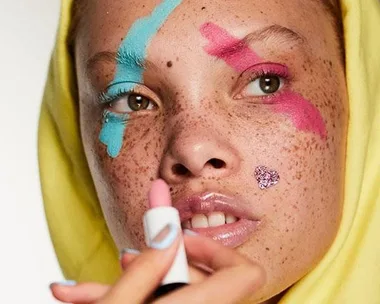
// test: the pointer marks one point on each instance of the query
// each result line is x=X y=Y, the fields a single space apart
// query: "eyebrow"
x=113 y=57
x=274 y=30
x=278 y=31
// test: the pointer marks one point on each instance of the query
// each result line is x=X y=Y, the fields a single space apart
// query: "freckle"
x=267 y=249
x=203 y=8
x=169 y=64
x=177 y=59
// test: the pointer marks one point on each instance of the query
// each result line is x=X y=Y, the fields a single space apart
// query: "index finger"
x=145 y=273
x=212 y=254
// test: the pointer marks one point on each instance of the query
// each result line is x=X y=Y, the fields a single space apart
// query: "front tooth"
x=199 y=221
x=230 y=219
x=216 y=219
x=187 y=225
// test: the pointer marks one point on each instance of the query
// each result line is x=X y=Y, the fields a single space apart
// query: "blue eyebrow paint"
x=129 y=69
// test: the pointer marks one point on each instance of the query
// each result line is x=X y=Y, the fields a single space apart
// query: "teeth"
x=230 y=219
x=213 y=219
x=216 y=219
x=199 y=221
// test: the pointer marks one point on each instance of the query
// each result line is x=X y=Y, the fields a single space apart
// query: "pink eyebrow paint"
x=235 y=52
x=238 y=55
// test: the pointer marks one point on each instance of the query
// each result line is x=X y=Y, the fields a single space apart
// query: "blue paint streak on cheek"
x=112 y=132
x=134 y=47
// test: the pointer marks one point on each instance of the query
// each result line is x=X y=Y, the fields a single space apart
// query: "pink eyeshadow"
x=237 y=54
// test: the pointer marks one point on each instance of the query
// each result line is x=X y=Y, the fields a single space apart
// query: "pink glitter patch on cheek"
x=304 y=115
x=235 y=52
x=266 y=177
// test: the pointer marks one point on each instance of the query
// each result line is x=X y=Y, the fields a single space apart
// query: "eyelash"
x=264 y=70
x=262 y=73
x=105 y=98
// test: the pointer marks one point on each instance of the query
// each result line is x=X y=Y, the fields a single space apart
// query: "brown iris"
x=269 y=84
x=138 y=102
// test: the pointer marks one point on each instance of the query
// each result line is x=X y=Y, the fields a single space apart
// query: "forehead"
x=106 y=22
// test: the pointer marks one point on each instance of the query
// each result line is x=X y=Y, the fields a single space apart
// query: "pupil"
x=137 y=102
x=269 y=84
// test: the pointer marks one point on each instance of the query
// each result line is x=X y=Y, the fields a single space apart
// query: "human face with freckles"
x=202 y=95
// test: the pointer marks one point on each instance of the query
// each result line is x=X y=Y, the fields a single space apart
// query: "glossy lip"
x=231 y=235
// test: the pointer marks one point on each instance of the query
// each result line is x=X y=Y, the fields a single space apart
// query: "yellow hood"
x=349 y=272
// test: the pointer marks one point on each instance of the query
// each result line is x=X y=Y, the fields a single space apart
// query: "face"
x=206 y=96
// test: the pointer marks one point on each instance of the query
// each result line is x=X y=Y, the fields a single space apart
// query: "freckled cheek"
x=313 y=181
x=124 y=181
x=140 y=153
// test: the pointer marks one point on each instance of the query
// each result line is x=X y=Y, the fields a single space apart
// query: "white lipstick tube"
x=155 y=220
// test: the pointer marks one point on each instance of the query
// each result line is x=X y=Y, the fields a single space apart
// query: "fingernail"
x=165 y=238
x=129 y=251
x=189 y=232
x=64 y=283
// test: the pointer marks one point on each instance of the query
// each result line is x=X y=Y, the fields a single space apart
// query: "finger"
x=145 y=273
x=80 y=293
x=210 y=253
x=196 y=274
x=229 y=285
x=127 y=256
x=241 y=276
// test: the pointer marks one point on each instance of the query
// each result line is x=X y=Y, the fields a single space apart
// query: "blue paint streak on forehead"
x=133 y=49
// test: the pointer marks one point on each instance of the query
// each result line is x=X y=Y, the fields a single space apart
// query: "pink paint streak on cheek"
x=304 y=115
x=235 y=52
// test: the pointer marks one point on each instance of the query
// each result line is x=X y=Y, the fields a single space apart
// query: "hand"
x=222 y=275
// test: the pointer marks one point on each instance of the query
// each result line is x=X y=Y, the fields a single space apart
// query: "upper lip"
x=208 y=202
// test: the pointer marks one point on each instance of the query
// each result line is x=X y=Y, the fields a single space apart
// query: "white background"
x=27 y=260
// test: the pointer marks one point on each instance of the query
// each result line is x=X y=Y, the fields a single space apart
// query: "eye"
x=131 y=103
x=264 y=85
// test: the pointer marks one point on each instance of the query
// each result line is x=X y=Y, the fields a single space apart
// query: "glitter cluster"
x=266 y=177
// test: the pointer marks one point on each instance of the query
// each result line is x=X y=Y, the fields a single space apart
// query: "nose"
x=198 y=153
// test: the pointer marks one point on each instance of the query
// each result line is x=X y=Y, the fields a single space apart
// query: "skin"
x=203 y=113
x=143 y=273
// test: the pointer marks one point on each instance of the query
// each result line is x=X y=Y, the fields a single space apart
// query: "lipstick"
x=160 y=214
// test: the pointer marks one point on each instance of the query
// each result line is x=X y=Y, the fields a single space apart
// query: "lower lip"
x=231 y=235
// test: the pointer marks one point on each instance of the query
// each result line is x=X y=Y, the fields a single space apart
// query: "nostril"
x=179 y=169
x=217 y=163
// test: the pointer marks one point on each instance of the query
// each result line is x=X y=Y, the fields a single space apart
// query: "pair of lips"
x=232 y=234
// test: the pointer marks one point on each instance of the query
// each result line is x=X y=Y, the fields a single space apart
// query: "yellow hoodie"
x=349 y=272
